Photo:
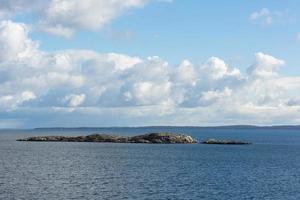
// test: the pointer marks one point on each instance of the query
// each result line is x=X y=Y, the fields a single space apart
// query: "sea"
x=269 y=169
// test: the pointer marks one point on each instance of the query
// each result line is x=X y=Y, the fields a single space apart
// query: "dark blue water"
x=269 y=169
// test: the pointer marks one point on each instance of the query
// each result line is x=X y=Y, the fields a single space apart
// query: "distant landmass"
x=294 y=127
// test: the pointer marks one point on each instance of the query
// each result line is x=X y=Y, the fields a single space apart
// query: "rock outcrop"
x=225 y=142
x=154 y=138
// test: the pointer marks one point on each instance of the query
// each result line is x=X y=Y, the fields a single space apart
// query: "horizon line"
x=157 y=126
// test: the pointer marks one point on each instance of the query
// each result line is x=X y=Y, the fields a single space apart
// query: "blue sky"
x=149 y=62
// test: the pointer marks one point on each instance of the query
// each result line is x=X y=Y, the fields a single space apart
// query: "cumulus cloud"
x=85 y=85
x=265 y=65
x=89 y=14
x=11 y=102
x=212 y=96
x=185 y=73
x=216 y=69
x=14 y=41
x=65 y=17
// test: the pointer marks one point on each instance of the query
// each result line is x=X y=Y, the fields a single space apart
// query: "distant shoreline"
x=229 y=127
x=159 y=127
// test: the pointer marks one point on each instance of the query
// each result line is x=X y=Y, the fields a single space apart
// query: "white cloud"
x=264 y=14
x=74 y=100
x=210 y=97
x=57 y=30
x=27 y=96
x=9 y=8
x=13 y=41
x=298 y=36
x=89 y=14
x=186 y=73
x=65 y=17
x=265 y=65
x=267 y=17
x=11 y=102
x=123 y=62
x=149 y=93
x=34 y=83
x=218 y=69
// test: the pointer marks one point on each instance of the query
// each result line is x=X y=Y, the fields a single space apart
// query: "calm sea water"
x=269 y=169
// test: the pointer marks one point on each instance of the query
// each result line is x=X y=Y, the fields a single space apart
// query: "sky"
x=149 y=62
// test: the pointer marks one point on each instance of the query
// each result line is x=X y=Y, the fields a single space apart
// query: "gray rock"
x=225 y=142
x=154 y=138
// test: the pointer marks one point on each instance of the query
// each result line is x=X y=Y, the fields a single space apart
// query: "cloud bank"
x=89 y=88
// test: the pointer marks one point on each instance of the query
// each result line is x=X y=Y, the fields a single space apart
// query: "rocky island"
x=153 y=138
x=225 y=142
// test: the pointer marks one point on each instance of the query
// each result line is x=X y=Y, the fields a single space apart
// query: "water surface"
x=269 y=169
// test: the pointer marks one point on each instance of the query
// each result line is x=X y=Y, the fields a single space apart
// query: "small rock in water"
x=226 y=142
